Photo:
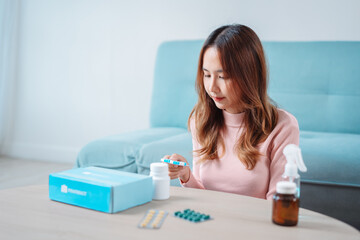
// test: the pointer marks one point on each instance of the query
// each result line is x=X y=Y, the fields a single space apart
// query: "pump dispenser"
x=294 y=161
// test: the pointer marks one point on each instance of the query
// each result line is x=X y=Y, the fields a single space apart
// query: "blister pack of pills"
x=192 y=216
x=153 y=219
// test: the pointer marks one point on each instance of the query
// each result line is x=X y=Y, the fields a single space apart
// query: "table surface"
x=28 y=213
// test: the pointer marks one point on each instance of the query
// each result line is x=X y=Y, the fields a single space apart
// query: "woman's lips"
x=218 y=99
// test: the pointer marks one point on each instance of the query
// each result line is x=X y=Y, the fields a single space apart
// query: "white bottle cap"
x=159 y=168
x=284 y=187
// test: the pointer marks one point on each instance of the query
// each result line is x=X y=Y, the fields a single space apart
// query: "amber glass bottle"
x=285 y=210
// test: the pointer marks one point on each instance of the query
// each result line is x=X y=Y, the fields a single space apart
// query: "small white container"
x=161 y=180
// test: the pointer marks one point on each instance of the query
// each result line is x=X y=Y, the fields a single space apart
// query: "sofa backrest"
x=318 y=82
x=174 y=94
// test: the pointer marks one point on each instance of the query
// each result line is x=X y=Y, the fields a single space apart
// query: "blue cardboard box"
x=100 y=188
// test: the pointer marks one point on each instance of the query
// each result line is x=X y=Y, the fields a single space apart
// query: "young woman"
x=238 y=134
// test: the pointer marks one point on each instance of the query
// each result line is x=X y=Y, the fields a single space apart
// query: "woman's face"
x=216 y=83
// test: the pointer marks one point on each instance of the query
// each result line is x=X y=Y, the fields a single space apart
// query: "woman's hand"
x=176 y=171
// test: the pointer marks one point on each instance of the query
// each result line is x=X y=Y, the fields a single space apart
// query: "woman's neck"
x=233 y=119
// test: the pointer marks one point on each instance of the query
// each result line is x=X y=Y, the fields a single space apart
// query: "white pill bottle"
x=161 y=180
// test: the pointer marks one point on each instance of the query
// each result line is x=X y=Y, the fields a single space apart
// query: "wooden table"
x=27 y=213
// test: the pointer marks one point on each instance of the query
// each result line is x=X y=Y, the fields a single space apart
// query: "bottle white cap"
x=284 y=187
x=159 y=168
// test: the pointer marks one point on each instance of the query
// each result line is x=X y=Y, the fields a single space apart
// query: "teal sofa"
x=318 y=82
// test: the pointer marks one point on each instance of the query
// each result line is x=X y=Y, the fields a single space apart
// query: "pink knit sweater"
x=228 y=174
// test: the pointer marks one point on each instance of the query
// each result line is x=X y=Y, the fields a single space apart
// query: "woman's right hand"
x=176 y=171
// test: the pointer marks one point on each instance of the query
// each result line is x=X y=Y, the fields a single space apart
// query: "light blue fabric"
x=318 y=82
x=174 y=93
x=331 y=157
x=120 y=151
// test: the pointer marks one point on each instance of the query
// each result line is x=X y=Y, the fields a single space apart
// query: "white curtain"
x=9 y=15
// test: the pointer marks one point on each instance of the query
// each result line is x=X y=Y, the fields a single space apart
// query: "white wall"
x=85 y=67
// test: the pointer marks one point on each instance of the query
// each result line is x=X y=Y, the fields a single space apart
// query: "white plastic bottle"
x=294 y=161
x=161 y=180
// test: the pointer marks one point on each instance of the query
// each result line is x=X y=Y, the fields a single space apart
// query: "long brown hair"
x=243 y=61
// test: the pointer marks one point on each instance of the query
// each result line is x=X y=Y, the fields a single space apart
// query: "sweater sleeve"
x=194 y=180
x=286 y=132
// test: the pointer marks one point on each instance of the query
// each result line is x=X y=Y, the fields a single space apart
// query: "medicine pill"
x=153 y=219
x=192 y=216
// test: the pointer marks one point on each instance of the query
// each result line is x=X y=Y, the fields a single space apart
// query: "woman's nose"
x=213 y=87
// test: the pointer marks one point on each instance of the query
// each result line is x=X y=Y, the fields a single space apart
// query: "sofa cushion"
x=331 y=157
x=120 y=151
x=150 y=152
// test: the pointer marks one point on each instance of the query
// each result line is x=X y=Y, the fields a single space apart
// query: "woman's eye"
x=207 y=75
x=224 y=77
